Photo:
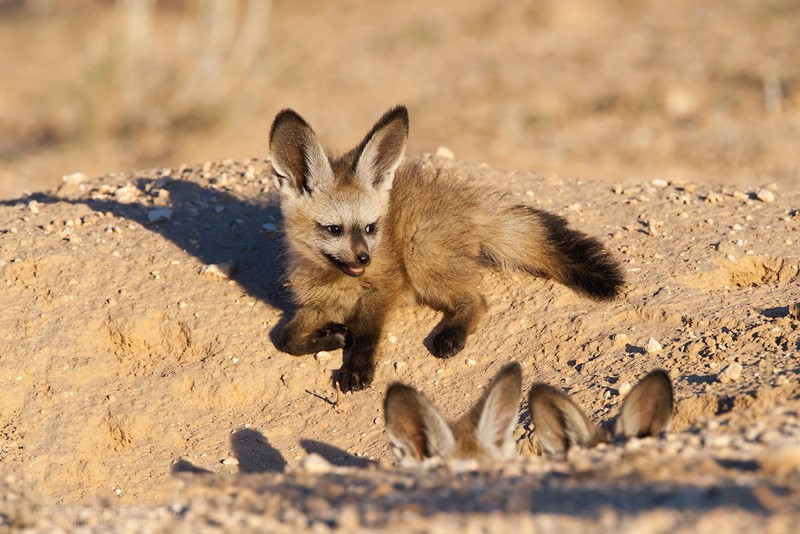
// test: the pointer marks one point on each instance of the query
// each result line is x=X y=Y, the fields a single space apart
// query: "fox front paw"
x=331 y=337
x=449 y=341
x=355 y=377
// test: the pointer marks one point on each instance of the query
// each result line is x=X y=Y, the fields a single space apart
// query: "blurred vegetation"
x=591 y=89
x=144 y=70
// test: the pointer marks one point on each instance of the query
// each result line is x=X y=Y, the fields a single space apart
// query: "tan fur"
x=419 y=435
x=560 y=425
x=434 y=233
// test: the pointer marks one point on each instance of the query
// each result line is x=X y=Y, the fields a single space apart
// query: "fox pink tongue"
x=354 y=270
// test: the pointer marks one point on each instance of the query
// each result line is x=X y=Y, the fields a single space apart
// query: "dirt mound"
x=126 y=362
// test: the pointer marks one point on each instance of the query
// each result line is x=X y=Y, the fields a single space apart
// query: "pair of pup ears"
x=560 y=424
x=300 y=161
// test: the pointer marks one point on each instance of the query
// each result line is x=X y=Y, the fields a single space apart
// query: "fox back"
x=419 y=435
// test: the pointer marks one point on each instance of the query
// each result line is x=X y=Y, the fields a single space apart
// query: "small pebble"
x=731 y=373
x=625 y=388
x=765 y=195
x=653 y=346
x=323 y=356
x=315 y=464
x=444 y=152
x=269 y=227
x=74 y=178
x=230 y=461
x=159 y=215
x=220 y=270
x=658 y=182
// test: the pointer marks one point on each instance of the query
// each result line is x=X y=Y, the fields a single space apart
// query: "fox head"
x=560 y=424
x=419 y=435
x=333 y=208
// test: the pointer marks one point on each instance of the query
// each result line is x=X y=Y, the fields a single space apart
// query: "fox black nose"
x=362 y=258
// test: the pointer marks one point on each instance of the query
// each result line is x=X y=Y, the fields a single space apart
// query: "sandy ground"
x=140 y=392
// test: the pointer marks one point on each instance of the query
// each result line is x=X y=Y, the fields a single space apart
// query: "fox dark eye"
x=334 y=229
x=370 y=228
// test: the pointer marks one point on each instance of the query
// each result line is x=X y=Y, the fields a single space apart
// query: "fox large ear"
x=415 y=428
x=647 y=410
x=297 y=157
x=495 y=414
x=558 y=422
x=379 y=154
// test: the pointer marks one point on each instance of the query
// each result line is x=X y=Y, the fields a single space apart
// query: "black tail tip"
x=593 y=271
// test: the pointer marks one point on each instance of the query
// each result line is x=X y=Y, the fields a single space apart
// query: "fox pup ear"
x=495 y=414
x=558 y=422
x=379 y=154
x=415 y=428
x=297 y=157
x=647 y=410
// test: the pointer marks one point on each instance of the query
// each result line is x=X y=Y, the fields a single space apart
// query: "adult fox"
x=368 y=227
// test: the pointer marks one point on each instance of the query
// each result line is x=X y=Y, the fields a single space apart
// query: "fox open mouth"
x=350 y=269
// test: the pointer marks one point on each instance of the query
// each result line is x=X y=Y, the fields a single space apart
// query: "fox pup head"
x=333 y=207
x=560 y=424
x=419 y=435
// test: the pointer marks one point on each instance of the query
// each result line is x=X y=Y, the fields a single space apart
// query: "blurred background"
x=592 y=89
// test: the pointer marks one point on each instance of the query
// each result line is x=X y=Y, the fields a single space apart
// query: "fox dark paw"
x=449 y=342
x=355 y=377
x=331 y=337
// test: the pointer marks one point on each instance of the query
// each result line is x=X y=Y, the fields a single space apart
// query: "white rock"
x=159 y=215
x=126 y=194
x=323 y=356
x=731 y=373
x=619 y=337
x=33 y=206
x=658 y=182
x=315 y=464
x=220 y=270
x=765 y=195
x=230 y=461
x=653 y=346
x=625 y=388
x=444 y=152
x=399 y=366
x=470 y=362
x=74 y=178
x=269 y=227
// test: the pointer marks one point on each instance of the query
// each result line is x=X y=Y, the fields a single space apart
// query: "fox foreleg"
x=310 y=331
x=358 y=368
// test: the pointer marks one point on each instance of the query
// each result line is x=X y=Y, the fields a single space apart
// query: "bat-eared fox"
x=367 y=228
x=420 y=436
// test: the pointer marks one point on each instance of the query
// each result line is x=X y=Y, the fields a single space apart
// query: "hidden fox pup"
x=420 y=436
x=368 y=227
x=560 y=424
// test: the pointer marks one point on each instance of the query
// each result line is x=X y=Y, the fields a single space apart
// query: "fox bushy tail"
x=542 y=244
